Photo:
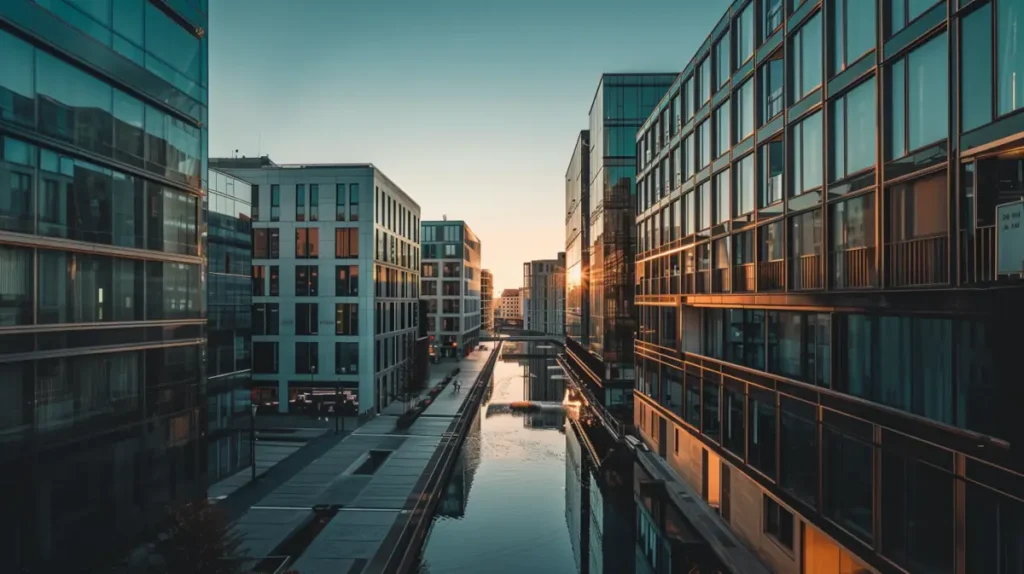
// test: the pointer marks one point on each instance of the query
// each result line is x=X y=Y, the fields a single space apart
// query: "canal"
x=549 y=490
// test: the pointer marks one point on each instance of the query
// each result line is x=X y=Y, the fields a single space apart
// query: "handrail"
x=615 y=428
x=402 y=555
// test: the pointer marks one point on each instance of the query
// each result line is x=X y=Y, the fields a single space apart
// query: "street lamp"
x=252 y=438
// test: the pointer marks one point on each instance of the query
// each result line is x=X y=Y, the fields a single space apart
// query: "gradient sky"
x=471 y=106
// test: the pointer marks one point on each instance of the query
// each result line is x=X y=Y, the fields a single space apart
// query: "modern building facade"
x=369 y=243
x=451 y=286
x=621 y=104
x=543 y=296
x=510 y=308
x=102 y=303
x=823 y=350
x=486 y=300
x=227 y=219
x=577 y=243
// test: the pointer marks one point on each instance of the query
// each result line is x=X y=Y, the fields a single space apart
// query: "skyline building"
x=313 y=340
x=821 y=352
x=543 y=296
x=577 y=243
x=451 y=285
x=486 y=300
x=102 y=302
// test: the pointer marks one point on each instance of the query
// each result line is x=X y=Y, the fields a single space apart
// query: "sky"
x=472 y=107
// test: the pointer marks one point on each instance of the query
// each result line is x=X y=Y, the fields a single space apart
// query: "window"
x=346 y=243
x=807 y=156
x=265 y=319
x=799 y=347
x=259 y=280
x=255 y=201
x=306 y=318
x=778 y=522
x=772 y=14
x=307 y=360
x=805 y=234
x=853 y=32
x=346 y=319
x=853 y=131
x=918 y=99
x=307 y=242
x=761 y=432
x=264 y=357
x=744 y=100
x=314 y=202
x=847 y=482
x=743 y=247
x=300 y=202
x=918 y=518
x=17 y=104
x=353 y=202
x=744 y=337
x=704 y=80
x=346 y=281
x=704 y=144
x=710 y=422
x=275 y=202
x=722 y=62
x=995 y=531
x=853 y=224
x=733 y=432
x=704 y=198
x=772 y=164
x=307 y=281
x=917 y=209
x=745 y=35
x=275 y=243
x=721 y=130
x=449 y=250
x=798 y=449
x=743 y=186
x=903 y=12
x=346 y=358
x=677 y=118
x=722 y=191
x=275 y=288
x=771 y=242
x=339 y=202
x=976 y=78
x=16 y=301
x=806 y=62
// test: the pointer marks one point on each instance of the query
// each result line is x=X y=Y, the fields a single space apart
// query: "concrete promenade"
x=333 y=514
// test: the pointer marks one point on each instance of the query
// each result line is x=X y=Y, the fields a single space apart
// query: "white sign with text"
x=1010 y=238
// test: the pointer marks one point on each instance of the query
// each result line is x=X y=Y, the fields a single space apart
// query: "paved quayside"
x=334 y=514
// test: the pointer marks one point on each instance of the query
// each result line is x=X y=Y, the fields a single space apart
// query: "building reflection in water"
x=456 y=494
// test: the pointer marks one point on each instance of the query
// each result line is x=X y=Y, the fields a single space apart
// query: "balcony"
x=978 y=255
x=854 y=268
x=721 y=280
x=744 y=278
x=806 y=272
x=918 y=262
x=771 y=275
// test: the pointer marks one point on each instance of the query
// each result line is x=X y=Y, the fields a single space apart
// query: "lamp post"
x=252 y=438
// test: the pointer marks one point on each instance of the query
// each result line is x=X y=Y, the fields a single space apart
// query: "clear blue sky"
x=471 y=106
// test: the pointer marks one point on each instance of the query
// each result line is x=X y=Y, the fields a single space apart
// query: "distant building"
x=227 y=214
x=543 y=296
x=486 y=300
x=510 y=308
x=351 y=223
x=577 y=243
x=451 y=285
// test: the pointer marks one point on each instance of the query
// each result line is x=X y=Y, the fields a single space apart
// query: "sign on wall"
x=1010 y=238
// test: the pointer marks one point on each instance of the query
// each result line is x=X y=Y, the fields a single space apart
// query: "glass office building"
x=228 y=219
x=102 y=318
x=577 y=243
x=825 y=348
x=621 y=104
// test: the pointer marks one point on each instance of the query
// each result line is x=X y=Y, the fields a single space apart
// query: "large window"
x=346 y=281
x=852 y=121
x=346 y=358
x=761 y=431
x=16 y=286
x=300 y=202
x=745 y=35
x=275 y=202
x=903 y=12
x=722 y=191
x=307 y=320
x=799 y=346
x=733 y=430
x=744 y=101
x=807 y=155
x=772 y=158
x=798 y=449
x=346 y=243
x=744 y=336
x=806 y=60
x=918 y=514
x=918 y=208
x=704 y=82
x=314 y=202
x=847 y=482
x=721 y=130
x=976 y=76
x=778 y=522
x=743 y=184
x=703 y=133
x=307 y=358
x=264 y=357
x=771 y=15
x=704 y=199
x=81 y=288
x=852 y=23
x=919 y=98
x=17 y=201
x=17 y=91
x=346 y=319
x=307 y=280
x=307 y=242
x=853 y=224
x=266 y=319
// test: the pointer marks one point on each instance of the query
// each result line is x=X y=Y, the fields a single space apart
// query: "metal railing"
x=807 y=272
x=721 y=280
x=744 y=278
x=977 y=255
x=771 y=275
x=854 y=268
x=917 y=262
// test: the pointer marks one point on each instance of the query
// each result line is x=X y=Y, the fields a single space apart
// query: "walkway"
x=369 y=479
x=272 y=447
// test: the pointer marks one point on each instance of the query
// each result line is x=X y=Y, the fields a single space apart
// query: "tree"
x=200 y=540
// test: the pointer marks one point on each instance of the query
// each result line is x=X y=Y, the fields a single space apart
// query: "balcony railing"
x=854 y=268
x=721 y=280
x=771 y=275
x=743 y=278
x=917 y=262
x=806 y=272
x=696 y=283
x=977 y=255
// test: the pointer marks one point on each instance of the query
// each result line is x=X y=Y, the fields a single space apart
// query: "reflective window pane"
x=17 y=91
x=806 y=63
x=928 y=93
x=74 y=106
x=976 y=78
x=17 y=161
x=16 y=279
x=1010 y=53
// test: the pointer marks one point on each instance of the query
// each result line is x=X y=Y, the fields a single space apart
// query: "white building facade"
x=335 y=285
